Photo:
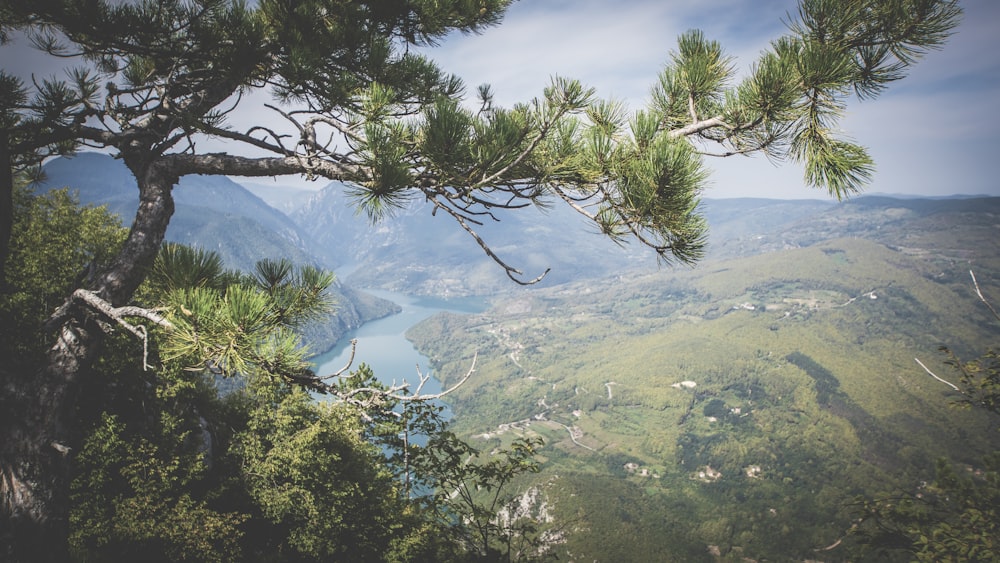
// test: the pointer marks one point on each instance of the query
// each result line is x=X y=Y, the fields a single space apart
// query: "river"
x=382 y=343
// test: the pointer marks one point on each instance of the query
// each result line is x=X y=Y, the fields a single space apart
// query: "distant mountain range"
x=414 y=252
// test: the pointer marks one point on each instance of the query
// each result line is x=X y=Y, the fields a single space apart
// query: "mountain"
x=286 y=199
x=211 y=211
x=737 y=409
x=215 y=213
x=418 y=252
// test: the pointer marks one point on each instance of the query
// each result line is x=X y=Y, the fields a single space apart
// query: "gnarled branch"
x=116 y=314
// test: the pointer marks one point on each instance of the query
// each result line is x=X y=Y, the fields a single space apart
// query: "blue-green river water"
x=382 y=344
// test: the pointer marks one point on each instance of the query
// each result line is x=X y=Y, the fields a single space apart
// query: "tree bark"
x=156 y=205
x=38 y=436
x=37 y=444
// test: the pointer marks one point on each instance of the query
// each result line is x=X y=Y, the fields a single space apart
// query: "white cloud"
x=615 y=47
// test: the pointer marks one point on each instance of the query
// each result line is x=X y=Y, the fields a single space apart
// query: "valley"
x=744 y=404
x=733 y=410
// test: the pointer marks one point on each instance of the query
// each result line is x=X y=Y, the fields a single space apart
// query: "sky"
x=933 y=133
x=936 y=132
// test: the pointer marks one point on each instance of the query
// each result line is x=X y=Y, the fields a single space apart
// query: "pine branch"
x=698 y=127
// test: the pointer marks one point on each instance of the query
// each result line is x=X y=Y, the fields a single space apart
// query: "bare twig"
x=367 y=397
x=509 y=270
x=423 y=379
x=573 y=203
x=338 y=373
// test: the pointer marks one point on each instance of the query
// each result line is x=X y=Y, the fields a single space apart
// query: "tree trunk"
x=37 y=446
x=156 y=206
x=39 y=434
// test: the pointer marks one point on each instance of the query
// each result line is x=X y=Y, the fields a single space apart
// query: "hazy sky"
x=937 y=132
x=933 y=133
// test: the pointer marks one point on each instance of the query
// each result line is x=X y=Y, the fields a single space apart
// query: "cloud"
x=617 y=47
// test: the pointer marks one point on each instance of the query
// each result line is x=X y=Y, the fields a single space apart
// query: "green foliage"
x=55 y=246
x=144 y=498
x=238 y=325
x=300 y=295
x=178 y=267
x=314 y=476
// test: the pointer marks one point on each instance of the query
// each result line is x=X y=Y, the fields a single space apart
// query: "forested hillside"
x=746 y=403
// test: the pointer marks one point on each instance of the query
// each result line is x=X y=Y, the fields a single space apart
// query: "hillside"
x=211 y=211
x=738 y=408
x=215 y=213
